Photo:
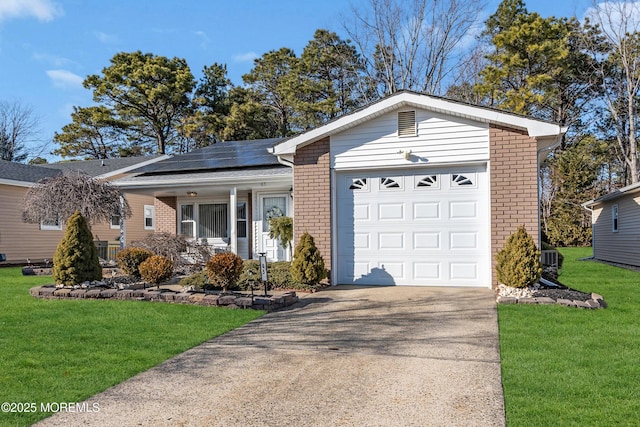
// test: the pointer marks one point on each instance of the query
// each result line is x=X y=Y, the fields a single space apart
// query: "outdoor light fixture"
x=192 y=193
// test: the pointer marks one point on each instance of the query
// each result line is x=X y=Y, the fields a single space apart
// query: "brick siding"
x=312 y=196
x=166 y=214
x=514 y=187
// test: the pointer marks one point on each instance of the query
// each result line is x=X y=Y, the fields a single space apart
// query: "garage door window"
x=429 y=181
x=359 y=184
x=390 y=183
x=459 y=180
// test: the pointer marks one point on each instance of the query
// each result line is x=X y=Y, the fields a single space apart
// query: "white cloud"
x=42 y=10
x=105 y=38
x=65 y=79
x=244 y=57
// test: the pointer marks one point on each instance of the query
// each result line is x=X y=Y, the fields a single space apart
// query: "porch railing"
x=107 y=249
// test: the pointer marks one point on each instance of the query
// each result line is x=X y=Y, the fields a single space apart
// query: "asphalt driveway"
x=347 y=356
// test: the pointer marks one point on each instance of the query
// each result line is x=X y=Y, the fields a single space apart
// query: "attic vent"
x=407 y=123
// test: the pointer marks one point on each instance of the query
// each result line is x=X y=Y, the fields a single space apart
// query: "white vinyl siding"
x=439 y=140
x=621 y=246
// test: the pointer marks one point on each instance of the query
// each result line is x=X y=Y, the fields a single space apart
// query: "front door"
x=272 y=206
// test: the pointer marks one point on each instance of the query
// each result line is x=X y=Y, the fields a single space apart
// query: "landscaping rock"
x=566 y=302
x=581 y=304
x=527 y=300
x=226 y=300
x=64 y=292
x=78 y=293
x=507 y=300
x=545 y=300
x=244 y=302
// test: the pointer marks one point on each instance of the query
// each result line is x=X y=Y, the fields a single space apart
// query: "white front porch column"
x=233 y=229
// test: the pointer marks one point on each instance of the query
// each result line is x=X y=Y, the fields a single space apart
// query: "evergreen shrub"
x=307 y=266
x=129 y=260
x=518 y=262
x=76 y=257
x=225 y=269
x=156 y=269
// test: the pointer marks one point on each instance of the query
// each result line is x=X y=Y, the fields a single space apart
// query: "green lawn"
x=566 y=366
x=66 y=351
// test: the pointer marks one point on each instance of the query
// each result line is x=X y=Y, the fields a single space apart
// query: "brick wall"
x=166 y=214
x=514 y=186
x=312 y=196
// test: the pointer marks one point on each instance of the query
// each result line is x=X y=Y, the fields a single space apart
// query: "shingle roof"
x=222 y=155
x=100 y=167
x=25 y=173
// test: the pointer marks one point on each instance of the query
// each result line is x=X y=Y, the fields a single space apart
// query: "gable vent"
x=407 y=123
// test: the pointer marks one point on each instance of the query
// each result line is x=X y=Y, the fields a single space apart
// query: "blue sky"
x=48 y=47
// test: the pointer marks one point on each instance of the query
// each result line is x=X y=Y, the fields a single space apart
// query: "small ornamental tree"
x=225 y=268
x=76 y=257
x=307 y=266
x=156 y=269
x=518 y=262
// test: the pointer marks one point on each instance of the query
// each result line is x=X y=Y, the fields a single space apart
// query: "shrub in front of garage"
x=307 y=266
x=518 y=262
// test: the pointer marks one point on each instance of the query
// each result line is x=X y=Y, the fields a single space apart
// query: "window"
x=149 y=217
x=614 y=218
x=212 y=220
x=54 y=224
x=241 y=220
x=358 y=184
x=187 y=221
x=407 y=123
x=272 y=207
x=115 y=221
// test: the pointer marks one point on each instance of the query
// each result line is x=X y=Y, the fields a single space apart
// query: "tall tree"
x=18 y=125
x=150 y=93
x=411 y=44
x=329 y=80
x=93 y=134
x=210 y=108
x=249 y=118
x=272 y=80
x=616 y=47
x=538 y=66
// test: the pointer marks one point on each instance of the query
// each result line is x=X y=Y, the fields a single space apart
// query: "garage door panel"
x=413 y=228
x=427 y=240
x=426 y=211
x=390 y=211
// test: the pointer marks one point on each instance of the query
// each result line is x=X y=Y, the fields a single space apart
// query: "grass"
x=69 y=350
x=574 y=367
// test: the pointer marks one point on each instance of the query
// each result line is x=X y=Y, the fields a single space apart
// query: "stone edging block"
x=595 y=302
x=271 y=303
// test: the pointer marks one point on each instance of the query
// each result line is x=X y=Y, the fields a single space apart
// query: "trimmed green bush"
x=156 y=269
x=307 y=266
x=76 y=258
x=518 y=262
x=129 y=260
x=225 y=269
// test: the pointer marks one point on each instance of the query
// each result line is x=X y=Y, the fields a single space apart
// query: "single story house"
x=615 y=221
x=22 y=242
x=409 y=190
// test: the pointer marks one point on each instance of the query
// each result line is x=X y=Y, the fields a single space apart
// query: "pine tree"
x=76 y=258
x=307 y=266
x=518 y=262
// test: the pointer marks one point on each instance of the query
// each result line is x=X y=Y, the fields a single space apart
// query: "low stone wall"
x=268 y=303
x=596 y=301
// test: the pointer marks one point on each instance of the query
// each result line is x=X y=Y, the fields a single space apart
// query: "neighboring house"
x=36 y=242
x=409 y=190
x=222 y=195
x=615 y=219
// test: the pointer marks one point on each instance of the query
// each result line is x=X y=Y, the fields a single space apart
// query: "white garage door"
x=424 y=227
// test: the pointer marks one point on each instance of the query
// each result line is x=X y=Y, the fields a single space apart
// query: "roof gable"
x=535 y=128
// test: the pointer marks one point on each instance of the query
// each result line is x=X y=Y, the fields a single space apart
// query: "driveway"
x=347 y=356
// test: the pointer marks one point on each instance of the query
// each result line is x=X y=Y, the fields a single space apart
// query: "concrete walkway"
x=347 y=356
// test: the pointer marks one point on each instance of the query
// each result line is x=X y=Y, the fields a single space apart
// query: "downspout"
x=545 y=150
